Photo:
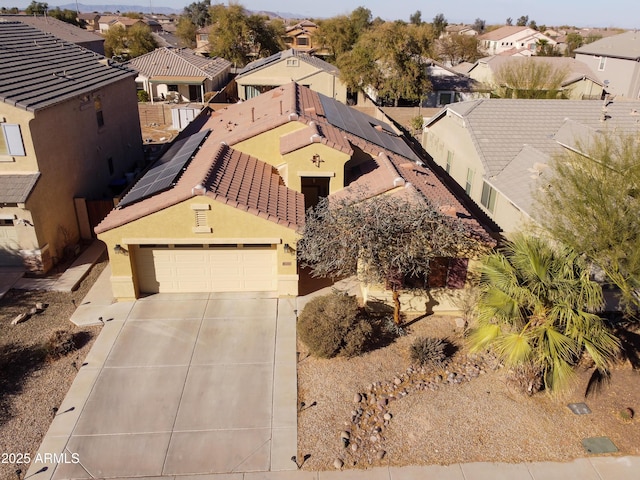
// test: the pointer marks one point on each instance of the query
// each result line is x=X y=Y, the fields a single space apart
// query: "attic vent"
x=398 y=182
x=293 y=116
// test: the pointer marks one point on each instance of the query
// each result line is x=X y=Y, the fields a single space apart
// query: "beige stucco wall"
x=65 y=144
x=299 y=165
x=623 y=75
x=304 y=73
x=266 y=146
x=229 y=225
x=449 y=134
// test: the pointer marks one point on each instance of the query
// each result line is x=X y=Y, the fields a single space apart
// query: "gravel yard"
x=32 y=384
x=438 y=422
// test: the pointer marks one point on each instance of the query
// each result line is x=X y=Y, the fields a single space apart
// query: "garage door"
x=219 y=269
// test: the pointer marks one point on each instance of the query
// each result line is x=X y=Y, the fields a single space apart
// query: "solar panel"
x=362 y=125
x=167 y=170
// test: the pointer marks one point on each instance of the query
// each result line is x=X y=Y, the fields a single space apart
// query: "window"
x=445 y=98
x=204 y=37
x=449 y=161
x=303 y=41
x=172 y=88
x=469 y=184
x=488 y=198
x=11 y=140
x=601 y=64
x=97 y=105
x=292 y=62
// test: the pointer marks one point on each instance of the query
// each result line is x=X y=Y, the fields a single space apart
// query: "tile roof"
x=277 y=57
x=16 y=188
x=183 y=62
x=576 y=70
x=502 y=32
x=625 y=45
x=249 y=184
x=58 y=28
x=512 y=135
x=38 y=70
x=447 y=79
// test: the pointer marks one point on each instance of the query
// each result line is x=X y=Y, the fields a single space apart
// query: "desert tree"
x=198 y=13
x=383 y=240
x=590 y=201
x=36 y=8
x=530 y=78
x=509 y=21
x=340 y=34
x=537 y=311
x=416 y=18
x=455 y=49
x=124 y=44
x=186 y=32
x=479 y=25
x=522 y=21
x=439 y=23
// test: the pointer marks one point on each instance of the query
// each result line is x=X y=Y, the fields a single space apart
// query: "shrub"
x=526 y=378
x=60 y=344
x=208 y=96
x=143 y=96
x=429 y=351
x=333 y=325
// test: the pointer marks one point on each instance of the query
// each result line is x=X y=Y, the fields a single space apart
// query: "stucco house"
x=450 y=86
x=69 y=127
x=497 y=149
x=301 y=37
x=281 y=68
x=222 y=209
x=580 y=83
x=179 y=74
x=63 y=30
x=519 y=40
x=616 y=62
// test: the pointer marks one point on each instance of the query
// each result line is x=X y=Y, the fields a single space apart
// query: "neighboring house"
x=179 y=74
x=521 y=40
x=450 y=86
x=581 y=83
x=153 y=24
x=126 y=22
x=63 y=30
x=281 y=68
x=459 y=29
x=91 y=21
x=221 y=211
x=496 y=149
x=69 y=128
x=202 y=40
x=616 y=61
x=301 y=37
x=105 y=22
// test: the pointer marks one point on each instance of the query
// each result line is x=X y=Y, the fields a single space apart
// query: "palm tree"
x=536 y=309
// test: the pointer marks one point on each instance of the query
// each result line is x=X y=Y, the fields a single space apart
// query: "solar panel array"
x=167 y=170
x=362 y=125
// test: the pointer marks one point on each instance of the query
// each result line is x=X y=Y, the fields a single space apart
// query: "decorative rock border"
x=363 y=437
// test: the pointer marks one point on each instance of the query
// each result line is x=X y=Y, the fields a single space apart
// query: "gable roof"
x=445 y=78
x=502 y=32
x=511 y=136
x=576 y=70
x=15 y=188
x=63 y=30
x=38 y=70
x=625 y=45
x=251 y=185
x=183 y=62
x=292 y=52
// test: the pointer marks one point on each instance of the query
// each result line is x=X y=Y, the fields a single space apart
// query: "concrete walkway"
x=154 y=400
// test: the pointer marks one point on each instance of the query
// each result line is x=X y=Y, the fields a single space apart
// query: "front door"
x=313 y=189
x=194 y=93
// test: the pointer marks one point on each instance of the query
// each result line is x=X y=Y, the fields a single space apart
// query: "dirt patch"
x=465 y=412
x=34 y=375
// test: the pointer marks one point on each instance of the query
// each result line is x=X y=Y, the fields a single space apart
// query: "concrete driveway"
x=183 y=384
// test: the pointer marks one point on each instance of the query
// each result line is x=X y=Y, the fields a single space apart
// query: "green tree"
x=522 y=21
x=536 y=309
x=124 y=44
x=36 y=8
x=509 y=21
x=340 y=34
x=458 y=48
x=388 y=58
x=198 y=13
x=591 y=203
x=479 y=25
x=416 y=18
x=530 y=78
x=66 y=15
x=186 y=32
x=383 y=240
x=545 y=49
x=439 y=23
x=574 y=40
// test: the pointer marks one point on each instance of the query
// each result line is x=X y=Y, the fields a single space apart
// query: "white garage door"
x=214 y=269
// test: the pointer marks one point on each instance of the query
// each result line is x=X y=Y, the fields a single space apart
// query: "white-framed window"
x=488 y=197
x=469 y=184
x=292 y=62
x=449 y=161
x=602 y=63
x=11 y=140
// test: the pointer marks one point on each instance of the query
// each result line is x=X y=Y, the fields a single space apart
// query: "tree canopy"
x=186 y=32
x=66 y=15
x=198 y=13
x=390 y=59
x=124 y=44
x=340 y=34
x=458 y=48
x=530 y=78
x=383 y=239
x=36 y=8
x=536 y=309
x=591 y=203
x=439 y=23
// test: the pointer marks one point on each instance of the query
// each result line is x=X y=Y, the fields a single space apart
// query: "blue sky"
x=583 y=13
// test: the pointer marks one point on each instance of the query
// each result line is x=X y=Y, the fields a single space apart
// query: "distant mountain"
x=154 y=9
